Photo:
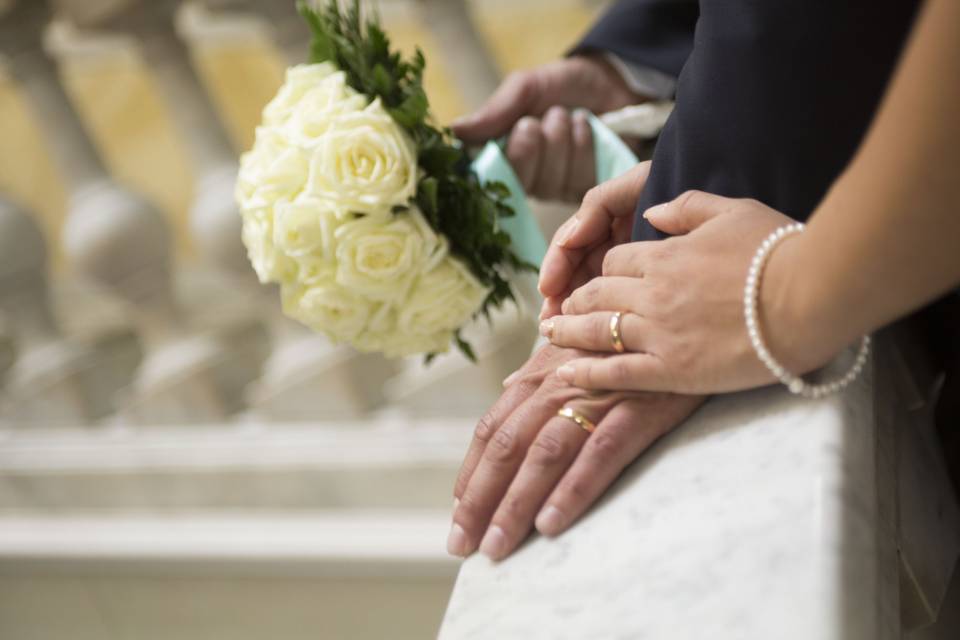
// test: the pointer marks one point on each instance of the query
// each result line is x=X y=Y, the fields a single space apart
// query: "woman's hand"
x=604 y=220
x=681 y=300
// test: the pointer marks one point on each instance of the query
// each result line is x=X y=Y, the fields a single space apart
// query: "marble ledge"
x=763 y=516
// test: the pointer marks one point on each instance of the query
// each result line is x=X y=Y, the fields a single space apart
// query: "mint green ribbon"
x=613 y=158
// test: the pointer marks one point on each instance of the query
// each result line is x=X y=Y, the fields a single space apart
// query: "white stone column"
x=290 y=31
x=53 y=379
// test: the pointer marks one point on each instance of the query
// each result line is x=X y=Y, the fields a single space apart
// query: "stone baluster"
x=52 y=380
x=290 y=31
x=466 y=54
x=116 y=238
x=8 y=348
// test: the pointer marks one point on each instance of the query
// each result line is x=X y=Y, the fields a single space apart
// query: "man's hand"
x=527 y=465
x=550 y=148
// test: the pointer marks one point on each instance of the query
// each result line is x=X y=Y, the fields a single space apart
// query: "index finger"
x=593 y=223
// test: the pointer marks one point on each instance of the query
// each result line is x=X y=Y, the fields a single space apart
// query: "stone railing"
x=764 y=516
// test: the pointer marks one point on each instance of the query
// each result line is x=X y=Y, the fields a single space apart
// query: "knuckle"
x=594 y=196
x=591 y=291
x=460 y=487
x=468 y=512
x=503 y=447
x=604 y=446
x=684 y=354
x=664 y=250
x=575 y=490
x=485 y=428
x=610 y=261
x=511 y=509
x=524 y=82
x=600 y=329
x=687 y=199
x=548 y=450
x=661 y=299
x=620 y=369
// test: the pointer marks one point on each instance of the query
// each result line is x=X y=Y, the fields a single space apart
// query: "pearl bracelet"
x=751 y=294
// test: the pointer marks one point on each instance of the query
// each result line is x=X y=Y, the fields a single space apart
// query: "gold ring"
x=581 y=421
x=615 y=336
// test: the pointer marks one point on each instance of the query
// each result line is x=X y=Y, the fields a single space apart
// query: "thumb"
x=564 y=83
x=686 y=212
x=602 y=206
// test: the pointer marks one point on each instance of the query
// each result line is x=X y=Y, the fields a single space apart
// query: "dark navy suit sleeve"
x=653 y=33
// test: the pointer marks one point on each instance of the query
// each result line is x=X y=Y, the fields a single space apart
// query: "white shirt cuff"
x=643 y=80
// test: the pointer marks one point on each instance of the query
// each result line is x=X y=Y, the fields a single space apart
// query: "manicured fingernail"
x=456 y=503
x=546 y=328
x=494 y=543
x=565 y=307
x=566 y=373
x=549 y=521
x=574 y=223
x=511 y=378
x=457 y=541
x=655 y=210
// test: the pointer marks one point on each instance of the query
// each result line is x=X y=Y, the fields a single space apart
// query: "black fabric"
x=772 y=103
x=775 y=98
x=653 y=33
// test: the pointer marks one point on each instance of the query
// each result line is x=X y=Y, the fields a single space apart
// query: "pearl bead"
x=795 y=384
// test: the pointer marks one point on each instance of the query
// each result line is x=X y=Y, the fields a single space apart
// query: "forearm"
x=886 y=239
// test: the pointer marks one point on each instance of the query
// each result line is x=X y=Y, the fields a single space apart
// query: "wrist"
x=800 y=325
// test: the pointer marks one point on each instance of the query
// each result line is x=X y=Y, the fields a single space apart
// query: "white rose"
x=327 y=308
x=364 y=163
x=257 y=235
x=441 y=302
x=298 y=81
x=273 y=170
x=319 y=108
x=380 y=258
x=383 y=336
x=305 y=228
x=317 y=193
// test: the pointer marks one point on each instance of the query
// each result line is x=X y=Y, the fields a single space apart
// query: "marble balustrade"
x=763 y=516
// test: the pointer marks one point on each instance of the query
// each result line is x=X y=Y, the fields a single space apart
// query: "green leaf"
x=439 y=160
x=465 y=347
x=453 y=201
x=427 y=197
x=382 y=80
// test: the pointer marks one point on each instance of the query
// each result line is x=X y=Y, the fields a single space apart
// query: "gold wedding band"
x=581 y=421
x=615 y=336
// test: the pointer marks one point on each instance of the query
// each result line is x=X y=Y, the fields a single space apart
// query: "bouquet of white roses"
x=367 y=216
